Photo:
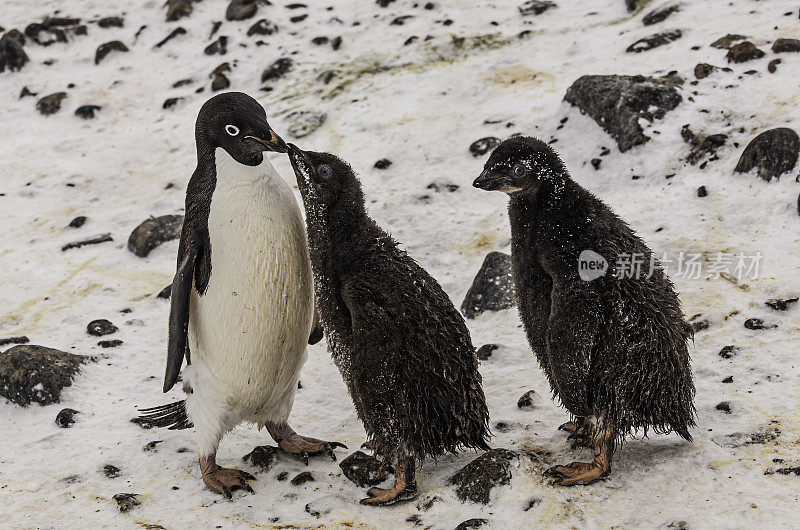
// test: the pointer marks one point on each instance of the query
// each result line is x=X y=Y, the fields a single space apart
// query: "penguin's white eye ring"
x=233 y=130
x=519 y=170
x=325 y=171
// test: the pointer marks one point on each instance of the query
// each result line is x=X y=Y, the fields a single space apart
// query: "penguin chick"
x=242 y=299
x=614 y=347
x=404 y=351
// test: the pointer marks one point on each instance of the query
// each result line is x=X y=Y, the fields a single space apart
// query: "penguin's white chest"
x=250 y=328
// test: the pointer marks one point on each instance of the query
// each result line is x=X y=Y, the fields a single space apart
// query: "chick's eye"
x=324 y=171
x=233 y=130
x=519 y=170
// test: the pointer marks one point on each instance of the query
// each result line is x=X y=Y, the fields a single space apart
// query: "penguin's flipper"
x=177 y=346
x=316 y=330
x=571 y=337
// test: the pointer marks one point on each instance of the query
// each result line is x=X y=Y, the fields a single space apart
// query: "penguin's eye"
x=233 y=130
x=519 y=170
x=325 y=171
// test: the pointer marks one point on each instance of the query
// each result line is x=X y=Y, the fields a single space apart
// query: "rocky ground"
x=681 y=115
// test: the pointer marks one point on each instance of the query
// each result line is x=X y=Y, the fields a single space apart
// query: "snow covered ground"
x=420 y=105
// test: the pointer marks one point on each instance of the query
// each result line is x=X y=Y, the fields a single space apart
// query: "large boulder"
x=772 y=152
x=618 y=102
x=153 y=232
x=493 y=287
x=475 y=481
x=31 y=373
x=364 y=470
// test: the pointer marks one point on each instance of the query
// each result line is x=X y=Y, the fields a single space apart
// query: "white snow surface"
x=422 y=112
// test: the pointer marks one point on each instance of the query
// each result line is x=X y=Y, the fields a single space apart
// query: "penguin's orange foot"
x=387 y=497
x=577 y=473
x=303 y=447
x=224 y=480
x=580 y=432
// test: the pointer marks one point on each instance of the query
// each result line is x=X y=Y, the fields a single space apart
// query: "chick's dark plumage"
x=614 y=348
x=403 y=349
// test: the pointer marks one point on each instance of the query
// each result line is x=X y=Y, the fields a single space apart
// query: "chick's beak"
x=488 y=180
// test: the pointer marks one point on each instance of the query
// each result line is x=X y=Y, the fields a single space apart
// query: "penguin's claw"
x=225 y=480
x=577 y=473
x=303 y=447
x=384 y=497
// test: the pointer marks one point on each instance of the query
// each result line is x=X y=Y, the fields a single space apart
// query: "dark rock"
x=743 y=52
x=483 y=146
x=427 y=502
x=111 y=471
x=262 y=27
x=757 y=323
x=282 y=476
x=443 y=186
x=485 y=351
x=220 y=82
x=304 y=122
x=171 y=102
x=596 y=162
x=66 y=417
x=526 y=400
x=277 y=69
x=22 y=339
x=111 y=22
x=336 y=43
x=531 y=503
x=384 y=3
x=152 y=447
x=87 y=113
x=788 y=471
x=31 y=373
x=728 y=351
x=703 y=70
x=781 y=304
x=44 y=35
x=182 y=82
x=165 y=293
x=219 y=46
x=262 y=456
x=702 y=192
x=77 y=222
x=172 y=34
x=153 y=232
x=110 y=343
x=104 y=49
x=319 y=41
x=728 y=380
x=302 y=478
x=492 y=289
x=773 y=152
x=383 y=163
x=725 y=43
x=535 y=7
x=786 y=46
x=632 y=4
x=772 y=67
x=471 y=523
x=25 y=92
x=298 y=18
x=475 y=481
x=699 y=324
x=105 y=238
x=127 y=501
x=660 y=15
x=702 y=146
x=50 y=104
x=654 y=41
x=724 y=406
x=177 y=9
x=364 y=470
x=101 y=327
x=400 y=21
x=215 y=28
x=241 y=9
x=12 y=54
x=617 y=103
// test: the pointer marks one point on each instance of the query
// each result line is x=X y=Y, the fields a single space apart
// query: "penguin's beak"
x=489 y=180
x=271 y=141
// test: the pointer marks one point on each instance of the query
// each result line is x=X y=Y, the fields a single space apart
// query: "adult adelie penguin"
x=613 y=346
x=403 y=350
x=242 y=299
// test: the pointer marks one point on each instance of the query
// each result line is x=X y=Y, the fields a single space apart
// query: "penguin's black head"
x=324 y=178
x=238 y=124
x=520 y=164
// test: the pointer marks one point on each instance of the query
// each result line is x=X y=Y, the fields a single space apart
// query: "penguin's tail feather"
x=173 y=416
